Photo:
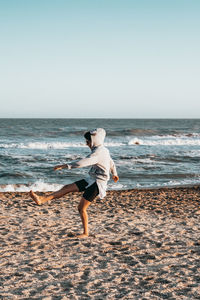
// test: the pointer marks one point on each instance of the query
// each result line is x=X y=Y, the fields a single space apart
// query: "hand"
x=58 y=167
x=115 y=178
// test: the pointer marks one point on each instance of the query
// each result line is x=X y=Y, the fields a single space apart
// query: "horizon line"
x=104 y=118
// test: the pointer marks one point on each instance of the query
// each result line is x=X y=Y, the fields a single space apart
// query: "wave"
x=193 y=154
x=169 y=184
x=14 y=175
x=38 y=186
x=53 y=145
x=132 y=131
x=118 y=186
x=42 y=145
x=165 y=141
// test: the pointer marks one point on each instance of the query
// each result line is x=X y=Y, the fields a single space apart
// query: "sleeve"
x=90 y=160
x=113 y=168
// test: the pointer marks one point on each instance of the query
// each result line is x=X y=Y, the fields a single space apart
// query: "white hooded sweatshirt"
x=100 y=160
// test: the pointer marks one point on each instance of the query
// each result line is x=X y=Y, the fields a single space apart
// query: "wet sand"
x=143 y=244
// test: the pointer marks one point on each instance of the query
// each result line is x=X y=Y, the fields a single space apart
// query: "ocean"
x=147 y=153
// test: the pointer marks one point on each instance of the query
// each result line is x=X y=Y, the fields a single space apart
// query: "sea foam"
x=165 y=141
x=38 y=186
x=53 y=145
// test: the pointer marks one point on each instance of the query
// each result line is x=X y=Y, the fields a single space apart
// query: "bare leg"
x=65 y=190
x=83 y=205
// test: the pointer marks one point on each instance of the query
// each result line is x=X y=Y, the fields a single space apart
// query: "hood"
x=97 y=137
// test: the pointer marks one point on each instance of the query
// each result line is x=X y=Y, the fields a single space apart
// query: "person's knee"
x=72 y=187
x=81 y=209
x=68 y=186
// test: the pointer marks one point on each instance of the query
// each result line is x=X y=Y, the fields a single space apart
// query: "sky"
x=100 y=59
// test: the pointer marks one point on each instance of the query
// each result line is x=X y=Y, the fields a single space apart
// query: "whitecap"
x=165 y=141
x=38 y=186
x=52 y=145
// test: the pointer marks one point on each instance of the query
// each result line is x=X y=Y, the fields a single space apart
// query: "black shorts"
x=91 y=192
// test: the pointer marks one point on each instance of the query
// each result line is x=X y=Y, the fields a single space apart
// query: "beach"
x=143 y=244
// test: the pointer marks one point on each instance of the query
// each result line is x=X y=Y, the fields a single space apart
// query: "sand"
x=143 y=244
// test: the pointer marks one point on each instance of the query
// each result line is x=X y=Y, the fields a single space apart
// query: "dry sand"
x=144 y=244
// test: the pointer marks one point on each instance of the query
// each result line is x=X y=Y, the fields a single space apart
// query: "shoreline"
x=157 y=188
x=142 y=244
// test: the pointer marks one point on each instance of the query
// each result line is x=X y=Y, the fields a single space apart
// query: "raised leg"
x=58 y=194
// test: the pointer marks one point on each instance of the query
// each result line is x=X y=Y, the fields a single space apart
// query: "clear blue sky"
x=100 y=58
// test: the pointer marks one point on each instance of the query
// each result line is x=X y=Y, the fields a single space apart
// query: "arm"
x=113 y=171
x=90 y=160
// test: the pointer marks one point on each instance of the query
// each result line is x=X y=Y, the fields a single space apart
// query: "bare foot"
x=82 y=236
x=35 y=198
